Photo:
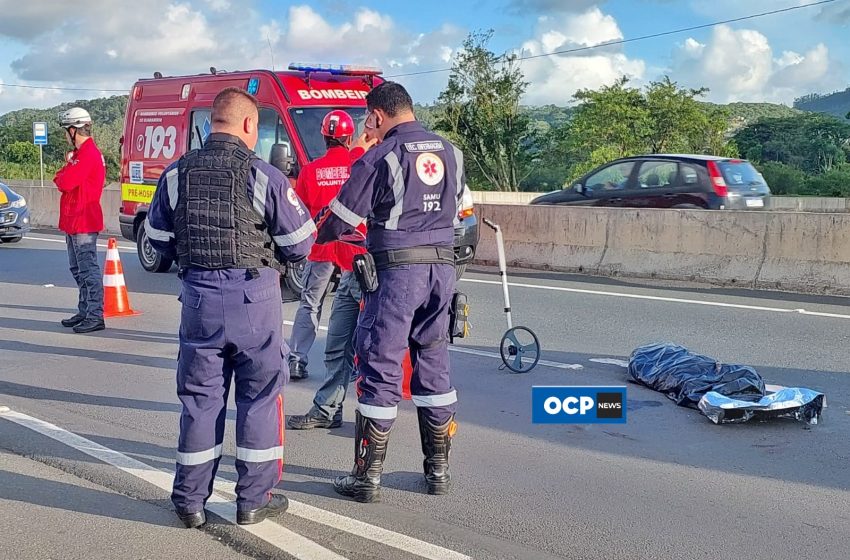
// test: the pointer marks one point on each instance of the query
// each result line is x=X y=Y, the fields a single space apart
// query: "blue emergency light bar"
x=336 y=69
x=253 y=85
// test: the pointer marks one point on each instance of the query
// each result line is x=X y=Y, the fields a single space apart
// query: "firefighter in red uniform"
x=81 y=183
x=318 y=183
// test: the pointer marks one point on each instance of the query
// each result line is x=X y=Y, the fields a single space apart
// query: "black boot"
x=436 y=446
x=73 y=321
x=90 y=325
x=297 y=371
x=313 y=419
x=370 y=450
x=275 y=507
x=193 y=520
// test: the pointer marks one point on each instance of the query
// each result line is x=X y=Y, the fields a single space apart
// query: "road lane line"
x=660 y=298
x=360 y=528
x=62 y=241
x=611 y=361
x=464 y=350
x=273 y=533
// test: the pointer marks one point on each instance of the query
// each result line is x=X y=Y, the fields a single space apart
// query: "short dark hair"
x=389 y=97
x=230 y=104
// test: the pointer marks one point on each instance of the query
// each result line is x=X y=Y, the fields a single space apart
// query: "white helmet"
x=75 y=116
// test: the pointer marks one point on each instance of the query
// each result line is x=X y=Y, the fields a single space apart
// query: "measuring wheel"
x=520 y=349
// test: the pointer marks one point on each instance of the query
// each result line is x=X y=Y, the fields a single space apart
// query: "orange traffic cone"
x=116 y=301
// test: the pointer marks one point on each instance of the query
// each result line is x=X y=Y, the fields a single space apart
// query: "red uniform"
x=81 y=182
x=318 y=183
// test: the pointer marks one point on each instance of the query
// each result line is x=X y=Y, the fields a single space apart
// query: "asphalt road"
x=668 y=484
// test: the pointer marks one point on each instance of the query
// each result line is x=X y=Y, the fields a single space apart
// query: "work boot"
x=314 y=419
x=275 y=507
x=73 y=321
x=193 y=520
x=436 y=446
x=370 y=449
x=90 y=325
x=297 y=370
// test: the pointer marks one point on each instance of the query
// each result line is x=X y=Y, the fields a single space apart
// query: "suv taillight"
x=717 y=180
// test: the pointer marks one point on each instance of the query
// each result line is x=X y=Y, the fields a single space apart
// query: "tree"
x=618 y=121
x=22 y=153
x=479 y=111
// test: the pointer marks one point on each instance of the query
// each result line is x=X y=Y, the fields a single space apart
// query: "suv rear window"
x=740 y=173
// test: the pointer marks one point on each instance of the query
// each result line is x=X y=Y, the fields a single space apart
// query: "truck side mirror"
x=281 y=157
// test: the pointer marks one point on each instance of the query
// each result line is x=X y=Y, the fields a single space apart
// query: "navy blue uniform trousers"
x=230 y=330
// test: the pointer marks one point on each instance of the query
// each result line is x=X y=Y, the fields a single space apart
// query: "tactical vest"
x=215 y=224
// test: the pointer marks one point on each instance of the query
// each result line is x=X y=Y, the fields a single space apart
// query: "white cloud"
x=739 y=65
x=555 y=78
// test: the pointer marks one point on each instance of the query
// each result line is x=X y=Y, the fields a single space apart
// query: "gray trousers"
x=317 y=276
x=85 y=268
x=339 y=348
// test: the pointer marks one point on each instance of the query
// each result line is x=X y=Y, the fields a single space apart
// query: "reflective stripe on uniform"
x=261 y=187
x=398 y=191
x=157 y=234
x=259 y=455
x=296 y=236
x=378 y=412
x=345 y=214
x=460 y=185
x=199 y=457
x=428 y=401
x=173 y=183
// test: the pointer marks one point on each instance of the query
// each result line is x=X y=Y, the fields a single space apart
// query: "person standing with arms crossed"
x=81 y=181
x=229 y=219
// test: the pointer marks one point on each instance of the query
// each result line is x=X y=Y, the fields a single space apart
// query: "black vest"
x=215 y=224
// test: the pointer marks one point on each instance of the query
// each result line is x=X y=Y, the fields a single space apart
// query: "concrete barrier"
x=775 y=250
x=43 y=203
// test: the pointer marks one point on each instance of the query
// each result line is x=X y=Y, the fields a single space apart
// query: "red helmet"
x=338 y=124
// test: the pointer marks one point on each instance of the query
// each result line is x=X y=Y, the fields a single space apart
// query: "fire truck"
x=167 y=116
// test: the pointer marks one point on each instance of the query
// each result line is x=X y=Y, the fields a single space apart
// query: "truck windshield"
x=308 y=123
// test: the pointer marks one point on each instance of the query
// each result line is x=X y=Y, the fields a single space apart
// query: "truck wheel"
x=151 y=260
x=293 y=278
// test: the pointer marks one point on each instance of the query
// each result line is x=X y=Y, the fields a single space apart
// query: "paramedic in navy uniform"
x=229 y=219
x=408 y=190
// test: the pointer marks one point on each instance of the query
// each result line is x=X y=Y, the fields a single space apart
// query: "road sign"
x=39 y=133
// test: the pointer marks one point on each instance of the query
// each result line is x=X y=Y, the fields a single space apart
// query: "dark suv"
x=668 y=181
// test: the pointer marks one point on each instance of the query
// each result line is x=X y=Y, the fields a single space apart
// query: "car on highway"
x=668 y=181
x=14 y=215
x=167 y=116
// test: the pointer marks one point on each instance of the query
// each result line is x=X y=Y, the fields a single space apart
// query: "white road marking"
x=660 y=298
x=462 y=350
x=274 y=534
x=612 y=361
x=360 y=528
x=62 y=241
x=271 y=532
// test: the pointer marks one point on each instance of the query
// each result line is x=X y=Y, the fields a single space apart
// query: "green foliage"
x=479 y=111
x=620 y=121
x=836 y=104
x=835 y=182
x=23 y=153
x=783 y=179
x=16 y=127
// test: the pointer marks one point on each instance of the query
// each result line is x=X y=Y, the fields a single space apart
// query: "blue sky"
x=106 y=44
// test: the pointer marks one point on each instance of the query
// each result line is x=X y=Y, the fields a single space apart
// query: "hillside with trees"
x=836 y=104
